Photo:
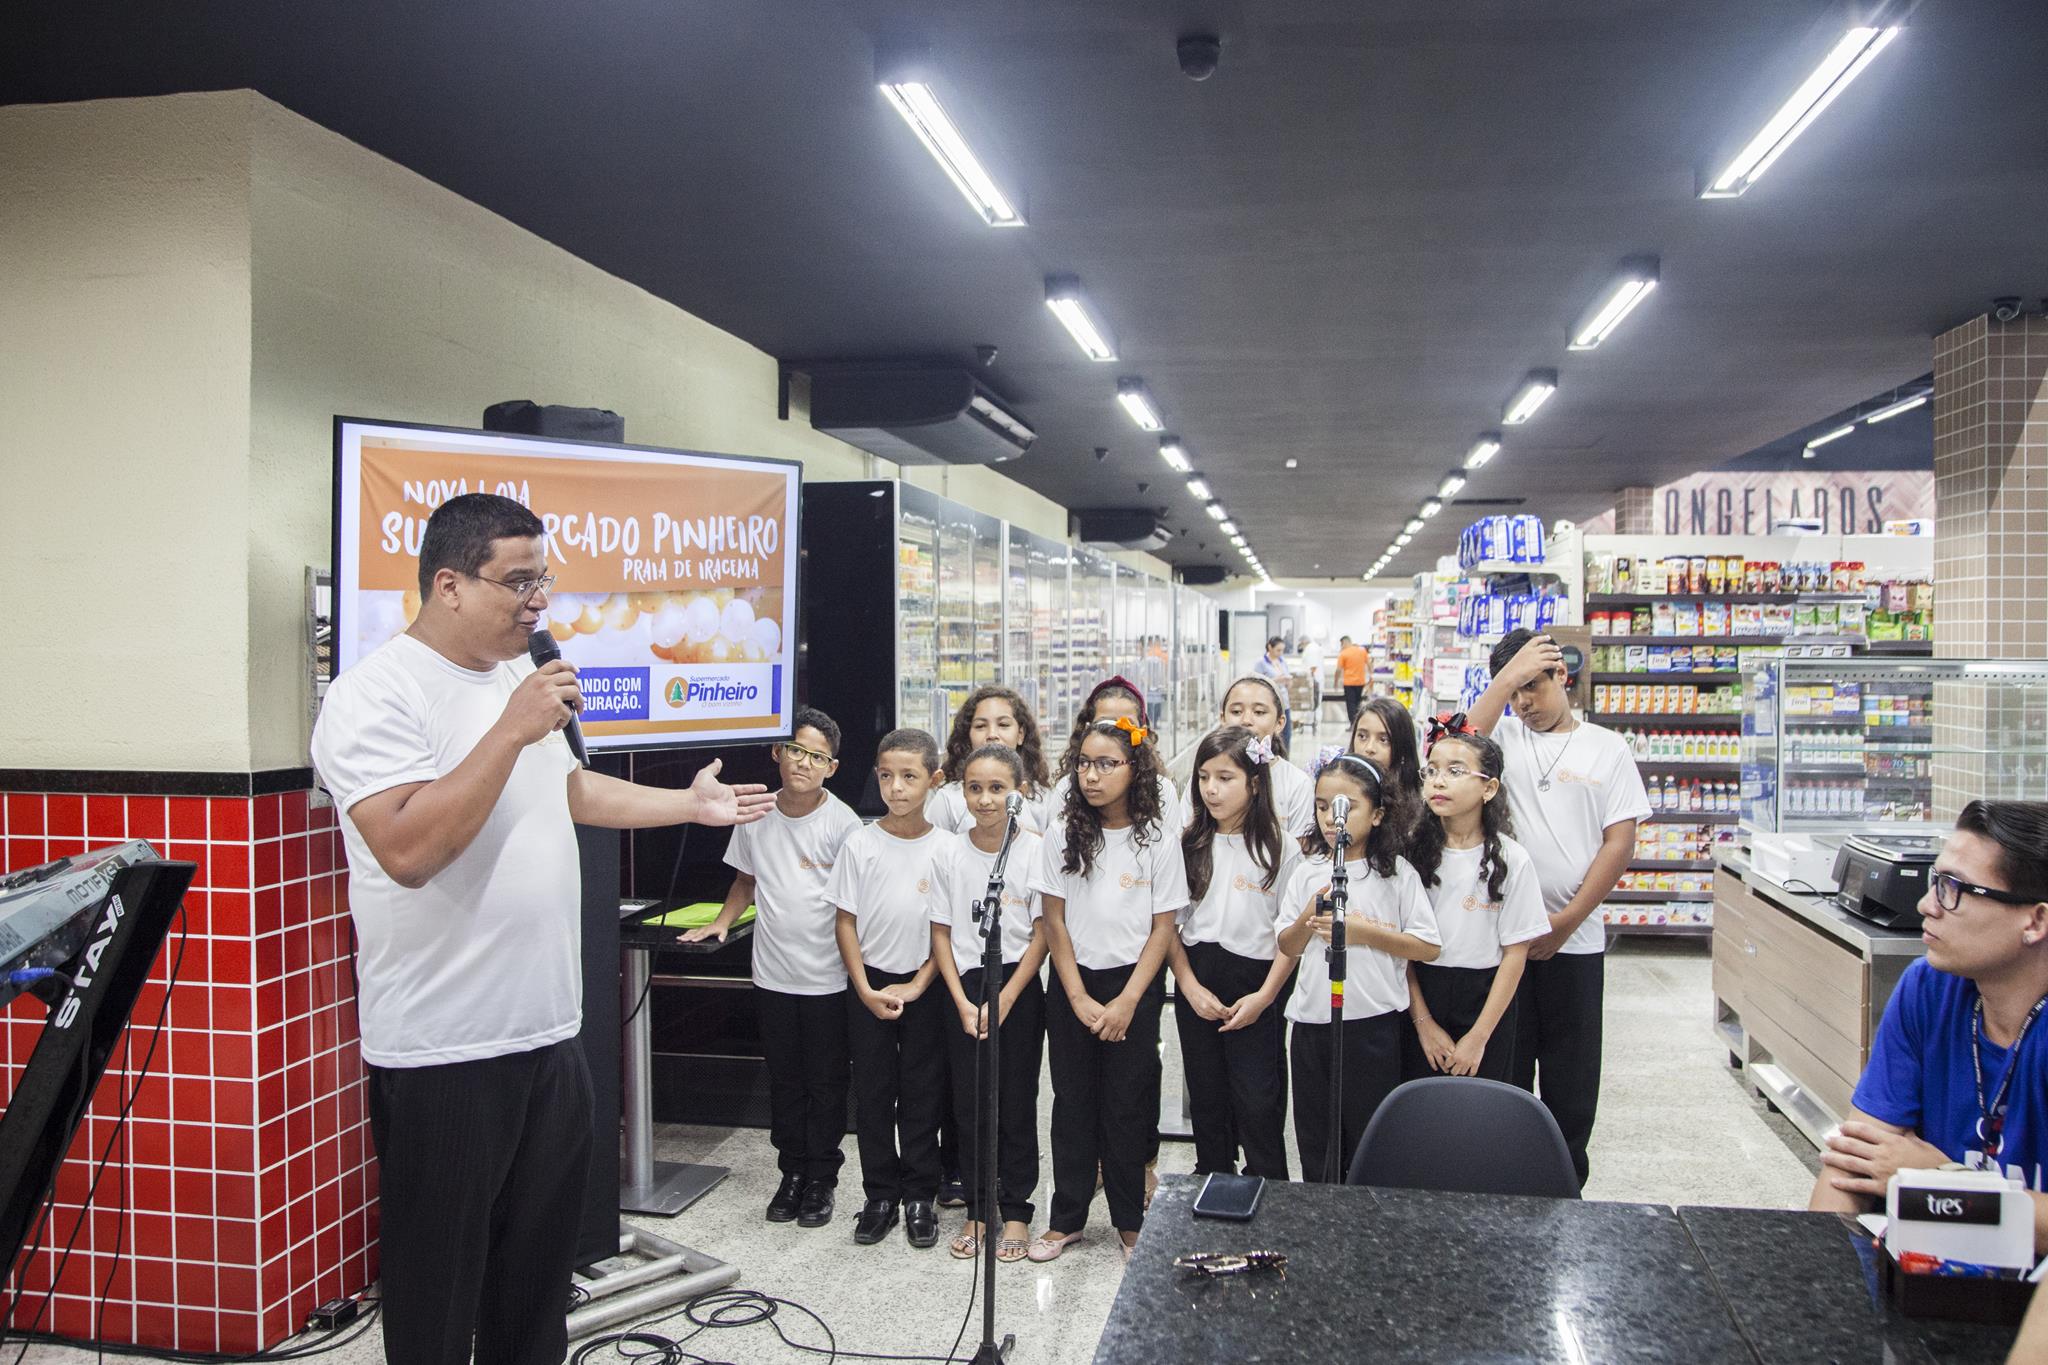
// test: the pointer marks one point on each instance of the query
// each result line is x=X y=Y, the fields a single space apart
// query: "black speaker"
x=524 y=417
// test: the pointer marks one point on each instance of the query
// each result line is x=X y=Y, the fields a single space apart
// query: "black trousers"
x=1372 y=1068
x=482 y=1168
x=1354 y=697
x=899 y=1081
x=1456 y=997
x=1023 y=1042
x=1237 y=1081
x=803 y=1041
x=1557 y=1048
x=1105 y=1103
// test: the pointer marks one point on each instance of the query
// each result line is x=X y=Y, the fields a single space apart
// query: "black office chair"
x=1464 y=1134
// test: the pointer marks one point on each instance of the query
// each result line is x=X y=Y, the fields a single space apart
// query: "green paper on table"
x=697 y=916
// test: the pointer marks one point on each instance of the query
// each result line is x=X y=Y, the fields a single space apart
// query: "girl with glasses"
x=1112 y=699
x=1488 y=910
x=1111 y=882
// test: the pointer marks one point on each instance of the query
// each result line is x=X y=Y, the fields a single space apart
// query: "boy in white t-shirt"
x=799 y=977
x=1576 y=797
x=882 y=886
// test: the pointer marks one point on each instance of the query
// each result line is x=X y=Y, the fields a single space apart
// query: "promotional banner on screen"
x=675 y=571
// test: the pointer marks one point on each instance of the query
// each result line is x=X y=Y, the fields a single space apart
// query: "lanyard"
x=1991 y=1117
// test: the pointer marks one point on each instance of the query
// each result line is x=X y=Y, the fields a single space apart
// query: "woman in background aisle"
x=1273 y=665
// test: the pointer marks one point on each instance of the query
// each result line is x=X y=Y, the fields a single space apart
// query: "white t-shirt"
x=1109 y=914
x=1593 y=784
x=1375 y=983
x=1237 y=910
x=1173 y=817
x=1294 y=796
x=796 y=948
x=884 y=882
x=947 y=808
x=960 y=873
x=485 y=959
x=1476 y=927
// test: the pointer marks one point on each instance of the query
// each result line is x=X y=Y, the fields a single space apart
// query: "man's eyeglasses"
x=806 y=758
x=1949 y=889
x=521 y=588
x=1455 y=772
x=1101 y=766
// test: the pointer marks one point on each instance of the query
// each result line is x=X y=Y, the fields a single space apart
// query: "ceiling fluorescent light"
x=1229 y=528
x=1137 y=401
x=1176 y=456
x=1401 y=541
x=904 y=74
x=1198 y=489
x=1638 y=278
x=1484 y=449
x=1837 y=434
x=1216 y=512
x=1535 y=391
x=1856 y=50
x=1453 y=482
x=1063 y=297
x=1414 y=525
x=1431 y=506
x=1885 y=414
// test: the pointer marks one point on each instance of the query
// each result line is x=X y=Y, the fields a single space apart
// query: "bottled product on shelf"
x=1692 y=795
x=1718 y=747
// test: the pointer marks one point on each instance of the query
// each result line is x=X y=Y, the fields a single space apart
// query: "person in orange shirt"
x=1354 y=663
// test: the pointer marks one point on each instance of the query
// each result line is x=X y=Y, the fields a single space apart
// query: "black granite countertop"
x=1400 y=1275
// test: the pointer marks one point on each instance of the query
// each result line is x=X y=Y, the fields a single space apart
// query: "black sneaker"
x=788 y=1196
x=920 y=1222
x=876 y=1217
x=952 y=1192
x=815 y=1209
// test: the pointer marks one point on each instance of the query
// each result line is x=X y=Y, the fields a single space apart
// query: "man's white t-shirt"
x=960 y=874
x=1475 y=926
x=884 y=883
x=1237 y=910
x=796 y=944
x=485 y=960
x=1109 y=913
x=1375 y=983
x=1593 y=784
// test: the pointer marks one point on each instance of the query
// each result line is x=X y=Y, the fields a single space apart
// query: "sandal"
x=1010 y=1250
x=965 y=1246
x=1048 y=1247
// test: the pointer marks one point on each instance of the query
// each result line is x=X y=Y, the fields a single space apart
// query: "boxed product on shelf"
x=1518 y=539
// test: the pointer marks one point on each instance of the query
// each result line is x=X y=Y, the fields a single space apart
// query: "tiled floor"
x=1676 y=1126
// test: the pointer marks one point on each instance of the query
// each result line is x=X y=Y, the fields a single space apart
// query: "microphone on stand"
x=542 y=649
x=1339 y=895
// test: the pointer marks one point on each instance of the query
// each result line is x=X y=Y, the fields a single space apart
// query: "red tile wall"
x=243 y=1192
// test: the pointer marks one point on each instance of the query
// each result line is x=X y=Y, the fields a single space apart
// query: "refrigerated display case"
x=1090 y=585
x=1878 y=745
x=970 y=609
x=1197 y=667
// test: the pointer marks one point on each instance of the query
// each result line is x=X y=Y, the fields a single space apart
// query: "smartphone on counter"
x=1232 y=1197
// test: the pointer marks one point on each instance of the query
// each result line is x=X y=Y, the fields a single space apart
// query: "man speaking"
x=457 y=791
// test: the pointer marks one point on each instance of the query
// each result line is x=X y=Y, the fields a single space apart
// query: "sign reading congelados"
x=675 y=570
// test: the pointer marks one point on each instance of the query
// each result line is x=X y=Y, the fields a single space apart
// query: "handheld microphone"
x=542 y=649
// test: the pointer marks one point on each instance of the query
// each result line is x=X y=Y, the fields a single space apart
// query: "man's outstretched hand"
x=719 y=804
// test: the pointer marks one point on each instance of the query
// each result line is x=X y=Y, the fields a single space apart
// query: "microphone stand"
x=1334 y=903
x=988 y=912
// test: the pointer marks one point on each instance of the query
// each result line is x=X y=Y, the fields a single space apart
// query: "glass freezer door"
x=917 y=565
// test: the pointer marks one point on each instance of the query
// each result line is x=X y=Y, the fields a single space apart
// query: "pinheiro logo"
x=680 y=692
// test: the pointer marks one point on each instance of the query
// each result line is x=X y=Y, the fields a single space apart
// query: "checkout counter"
x=1799 y=987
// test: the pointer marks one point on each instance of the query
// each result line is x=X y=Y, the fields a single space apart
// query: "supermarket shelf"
x=1631 y=599
x=1905 y=649
x=1664 y=930
x=1509 y=566
x=1614 y=718
x=1656 y=865
x=1854 y=769
x=1652 y=897
x=1740 y=641
x=1684 y=765
x=1693 y=817
x=1719 y=675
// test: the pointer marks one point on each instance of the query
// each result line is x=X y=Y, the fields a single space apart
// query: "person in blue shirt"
x=1959 y=1069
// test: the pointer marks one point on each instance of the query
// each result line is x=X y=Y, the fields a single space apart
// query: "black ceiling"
x=1346 y=247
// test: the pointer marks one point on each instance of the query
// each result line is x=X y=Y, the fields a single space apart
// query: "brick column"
x=1635 y=511
x=1991 y=545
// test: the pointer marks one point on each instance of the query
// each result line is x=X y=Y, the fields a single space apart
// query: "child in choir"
x=1383 y=734
x=1255 y=703
x=799 y=978
x=1226 y=959
x=960 y=875
x=1388 y=925
x=993 y=715
x=1488 y=910
x=1112 y=699
x=1112 y=882
x=895 y=1023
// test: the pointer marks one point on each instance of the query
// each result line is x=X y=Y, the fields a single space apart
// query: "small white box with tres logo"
x=1977 y=1216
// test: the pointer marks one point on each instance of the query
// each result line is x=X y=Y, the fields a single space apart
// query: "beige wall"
x=124 y=374
x=202 y=282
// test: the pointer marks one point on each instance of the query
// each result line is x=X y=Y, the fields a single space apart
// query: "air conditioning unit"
x=1203 y=575
x=1121 y=528
x=910 y=412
